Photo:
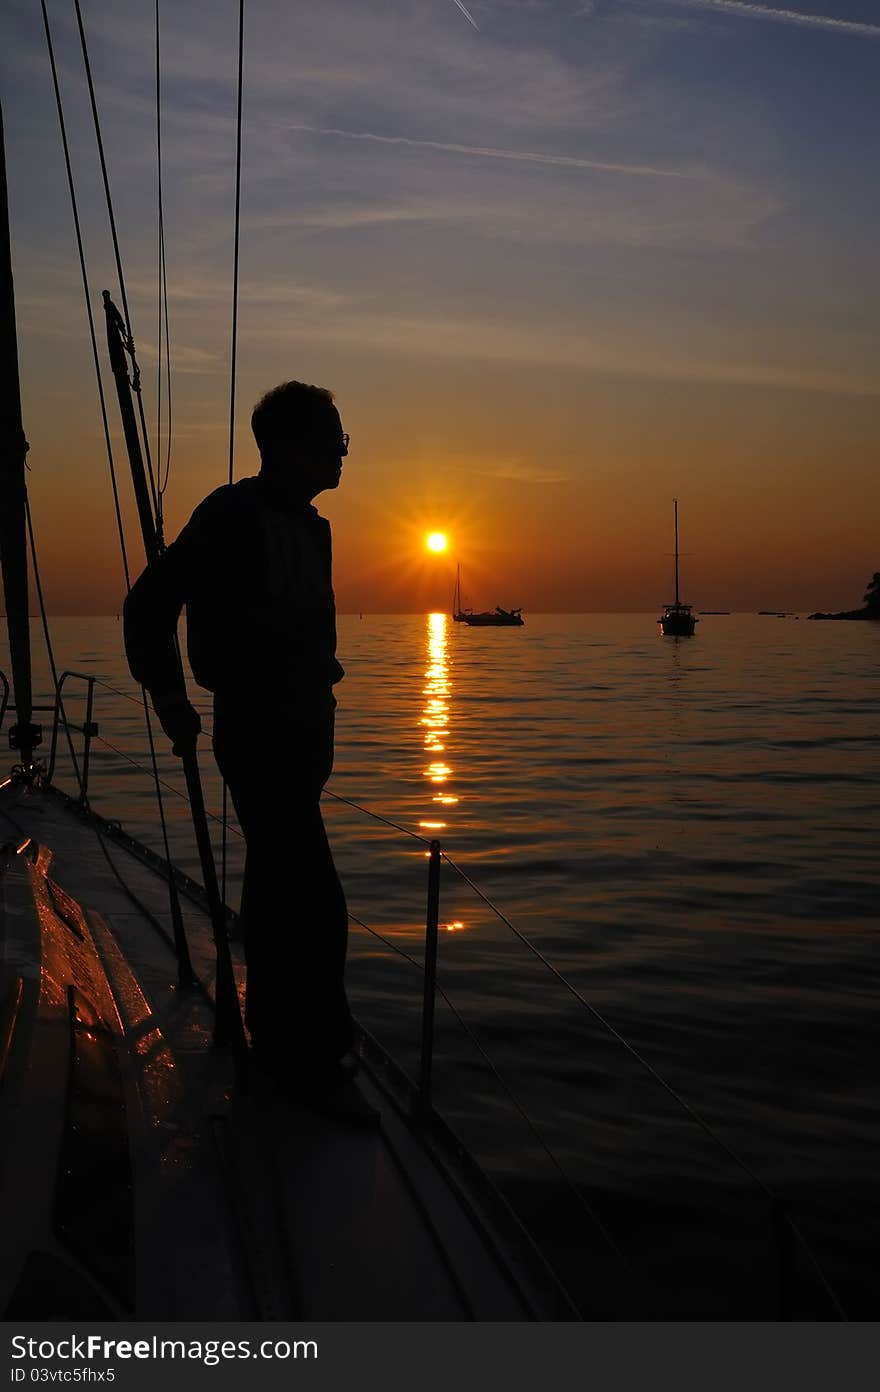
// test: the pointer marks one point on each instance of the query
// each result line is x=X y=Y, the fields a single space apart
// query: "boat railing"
x=88 y=729
x=787 y=1237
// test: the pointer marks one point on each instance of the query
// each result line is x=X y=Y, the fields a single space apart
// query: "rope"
x=86 y=292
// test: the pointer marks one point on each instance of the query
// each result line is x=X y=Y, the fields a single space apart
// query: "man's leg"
x=293 y=908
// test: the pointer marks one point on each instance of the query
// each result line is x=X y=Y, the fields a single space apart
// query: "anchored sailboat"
x=677 y=619
x=497 y=618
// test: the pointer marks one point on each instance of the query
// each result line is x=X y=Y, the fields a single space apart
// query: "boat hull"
x=490 y=620
x=677 y=627
x=677 y=621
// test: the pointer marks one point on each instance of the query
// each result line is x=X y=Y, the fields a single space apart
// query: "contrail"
x=468 y=16
x=487 y=152
x=812 y=21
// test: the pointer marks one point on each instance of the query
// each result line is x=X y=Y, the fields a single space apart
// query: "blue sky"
x=563 y=264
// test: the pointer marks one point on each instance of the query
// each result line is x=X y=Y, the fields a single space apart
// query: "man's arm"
x=150 y=615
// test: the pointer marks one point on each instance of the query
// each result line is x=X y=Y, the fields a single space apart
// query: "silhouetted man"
x=253 y=567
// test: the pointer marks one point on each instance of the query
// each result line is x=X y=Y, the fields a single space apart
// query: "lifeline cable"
x=658 y=1078
x=502 y=1081
x=120 y=754
x=643 y=1062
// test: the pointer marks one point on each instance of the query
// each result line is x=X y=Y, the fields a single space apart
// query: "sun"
x=435 y=541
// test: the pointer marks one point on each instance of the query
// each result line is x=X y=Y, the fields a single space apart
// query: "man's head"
x=300 y=438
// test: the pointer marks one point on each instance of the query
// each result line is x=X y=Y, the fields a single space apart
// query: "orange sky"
x=558 y=271
x=552 y=494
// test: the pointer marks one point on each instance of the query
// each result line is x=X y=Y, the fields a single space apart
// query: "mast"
x=116 y=338
x=456 y=596
x=675 y=500
x=13 y=494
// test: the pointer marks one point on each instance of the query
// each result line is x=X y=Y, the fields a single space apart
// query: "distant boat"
x=677 y=619
x=497 y=618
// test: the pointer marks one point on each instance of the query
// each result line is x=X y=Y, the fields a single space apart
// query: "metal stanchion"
x=430 y=979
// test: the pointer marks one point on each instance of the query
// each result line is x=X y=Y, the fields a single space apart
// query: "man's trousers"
x=293 y=909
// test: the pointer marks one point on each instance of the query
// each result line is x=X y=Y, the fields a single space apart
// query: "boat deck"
x=140 y=1180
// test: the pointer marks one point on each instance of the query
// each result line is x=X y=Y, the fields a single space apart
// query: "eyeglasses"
x=321 y=446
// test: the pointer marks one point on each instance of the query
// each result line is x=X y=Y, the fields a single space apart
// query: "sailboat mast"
x=13 y=537
x=116 y=341
x=676 y=550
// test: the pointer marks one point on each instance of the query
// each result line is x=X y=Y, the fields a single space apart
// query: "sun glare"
x=435 y=541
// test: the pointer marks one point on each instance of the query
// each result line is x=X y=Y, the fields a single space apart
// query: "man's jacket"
x=255 y=575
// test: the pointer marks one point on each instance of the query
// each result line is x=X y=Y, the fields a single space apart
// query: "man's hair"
x=293 y=408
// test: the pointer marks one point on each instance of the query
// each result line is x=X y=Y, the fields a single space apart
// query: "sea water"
x=686 y=829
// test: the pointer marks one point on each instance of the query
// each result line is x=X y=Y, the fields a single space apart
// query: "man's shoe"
x=350 y=1065
x=329 y=1092
x=336 y=1095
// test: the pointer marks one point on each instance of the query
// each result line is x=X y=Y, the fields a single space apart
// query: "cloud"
x=385 y=56
x=622 y=352
x=811 y=21
x=508 y=203
x=489 y=152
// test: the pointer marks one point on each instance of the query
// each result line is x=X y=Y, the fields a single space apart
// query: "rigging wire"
x=87 y=293
x=234 y=344
x=233 y=357
x=136 y=380
x=176 y=911
x=163 y=338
